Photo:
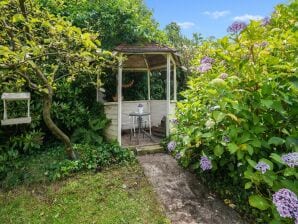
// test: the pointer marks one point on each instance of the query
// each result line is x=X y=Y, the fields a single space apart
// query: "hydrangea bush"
x=238 y=124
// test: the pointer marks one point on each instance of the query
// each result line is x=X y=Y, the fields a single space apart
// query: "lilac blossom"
x=171 y=146
x=291 y=159
x=205 y=163
x=178 y=156
x=286 y=203
x=206 y=60
x=262 y=167
x=237 y=27
x=205 y=67
x=223 y=76
x=265 y=21
x=226 y=139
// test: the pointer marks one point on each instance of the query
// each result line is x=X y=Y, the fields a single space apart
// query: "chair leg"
x=149 y=121
x=133 y=126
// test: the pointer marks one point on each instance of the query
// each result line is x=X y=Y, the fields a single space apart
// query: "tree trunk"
x=57 y=132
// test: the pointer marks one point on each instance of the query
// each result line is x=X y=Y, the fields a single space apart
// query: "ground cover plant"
x=238 y=124
x=119 y=194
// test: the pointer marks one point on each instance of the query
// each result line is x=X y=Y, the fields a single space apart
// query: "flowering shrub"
x=239 y=116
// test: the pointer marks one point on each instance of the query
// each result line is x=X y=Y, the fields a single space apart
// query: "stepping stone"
x=149 y=149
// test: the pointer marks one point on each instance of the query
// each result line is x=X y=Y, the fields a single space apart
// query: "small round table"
x=140 y=119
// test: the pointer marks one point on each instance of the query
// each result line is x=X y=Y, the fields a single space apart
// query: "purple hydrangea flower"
x=205 y=67
x=262 y=167
x=291 y=159
x=174 y=121
x=223 y=76
x=206 y=60
x=178 y=156
x=205 y=163
x=237 y=27
x=171 y=146
x=286 y=203
x=226 y=139
x=264 y=44
x=265 y=21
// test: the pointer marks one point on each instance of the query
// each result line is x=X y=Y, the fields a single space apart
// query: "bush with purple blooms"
x=171 y=146
x=205 y=163
x=262 y=167
x=286 y=203
x=237 y=27
x=241 y=114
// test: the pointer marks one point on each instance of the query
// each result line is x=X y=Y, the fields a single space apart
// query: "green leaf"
x=267 y=103
x=250 y=149
x=259 y=202
x=256 y=143
x=276 y=141
x=276 y=157
x=267 y=162
x=218 y=150
x=268 y=179
x=195 y=165
x=232 y=147
x=218 y=116
x=207 y=135
x=248 y=185
x=290 y=172
x=251 y=163
x=18 y=18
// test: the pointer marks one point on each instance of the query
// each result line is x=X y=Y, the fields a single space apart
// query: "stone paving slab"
x=185 y=199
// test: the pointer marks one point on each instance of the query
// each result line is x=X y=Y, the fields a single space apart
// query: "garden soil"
x=185 y=199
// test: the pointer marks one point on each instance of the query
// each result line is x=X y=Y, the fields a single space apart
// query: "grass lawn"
x=116 y=195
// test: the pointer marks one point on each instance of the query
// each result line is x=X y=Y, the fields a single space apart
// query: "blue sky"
x=209 y=17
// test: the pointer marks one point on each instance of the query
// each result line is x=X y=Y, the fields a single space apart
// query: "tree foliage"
x=116 y=22
x=38 y=49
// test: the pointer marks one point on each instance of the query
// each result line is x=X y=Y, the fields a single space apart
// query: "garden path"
x=185 y=199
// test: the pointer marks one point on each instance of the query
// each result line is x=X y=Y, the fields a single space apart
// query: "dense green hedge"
x=238 y=123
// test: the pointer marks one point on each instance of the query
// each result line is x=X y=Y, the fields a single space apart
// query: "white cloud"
x=186 y=25
x=247 y=18
x=217 y=14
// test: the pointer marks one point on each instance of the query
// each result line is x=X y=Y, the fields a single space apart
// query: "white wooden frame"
x=13 y=97
x=169 y=59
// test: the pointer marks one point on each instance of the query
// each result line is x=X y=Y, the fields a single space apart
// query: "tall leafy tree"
x=38 y=49
x=184 y=45
x=117 y=22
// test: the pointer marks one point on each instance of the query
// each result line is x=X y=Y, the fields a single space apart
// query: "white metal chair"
x=132 y=122
x=147 y=122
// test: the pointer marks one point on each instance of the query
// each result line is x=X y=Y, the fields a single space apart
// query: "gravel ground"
x=185 y=199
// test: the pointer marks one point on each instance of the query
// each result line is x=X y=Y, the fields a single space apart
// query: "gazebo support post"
x=148 y=85
x=168 y=94
x=119 y=93
x=175 y=81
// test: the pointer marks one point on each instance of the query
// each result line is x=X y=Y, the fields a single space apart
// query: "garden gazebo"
x=143 y=58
